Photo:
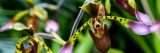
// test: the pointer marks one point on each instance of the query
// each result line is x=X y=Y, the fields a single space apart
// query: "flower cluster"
x=99 y=34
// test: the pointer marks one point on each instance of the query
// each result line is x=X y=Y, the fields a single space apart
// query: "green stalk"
x=78 y=19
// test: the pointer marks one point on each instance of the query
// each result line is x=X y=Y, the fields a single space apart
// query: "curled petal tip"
x=7 y=26
x=139 y=28
x=143 y=18
x=51 y=25
x=155 y=27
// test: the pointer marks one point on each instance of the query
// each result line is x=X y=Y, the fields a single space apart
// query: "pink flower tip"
x=155 y=27
x=67 y=48
x=7 y=26
x=144 y=18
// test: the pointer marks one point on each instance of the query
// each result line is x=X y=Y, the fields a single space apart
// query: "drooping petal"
x=143 y=18
x=51 y=25
x=155 y=27
x=139 y=28
x=7 y=26
x=67 y=48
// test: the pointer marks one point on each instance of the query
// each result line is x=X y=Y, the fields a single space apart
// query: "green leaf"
x=108 y=6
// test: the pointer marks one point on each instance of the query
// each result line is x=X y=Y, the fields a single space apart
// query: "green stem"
x=78 y=19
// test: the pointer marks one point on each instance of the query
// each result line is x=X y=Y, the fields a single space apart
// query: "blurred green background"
x=122 y=39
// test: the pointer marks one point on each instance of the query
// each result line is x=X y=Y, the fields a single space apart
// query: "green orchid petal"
x=91 y=8
x=108 y=6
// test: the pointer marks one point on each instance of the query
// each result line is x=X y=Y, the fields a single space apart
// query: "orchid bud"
x=51 y=26
x=67 y=48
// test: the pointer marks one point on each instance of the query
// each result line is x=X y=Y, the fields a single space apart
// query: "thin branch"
x=78 y=19
x=60 y=3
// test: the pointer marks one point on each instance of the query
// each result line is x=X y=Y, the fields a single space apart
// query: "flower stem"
x=78 y=19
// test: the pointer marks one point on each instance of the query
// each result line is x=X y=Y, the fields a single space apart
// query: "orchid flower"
x=144 y=25
x=99 y=35
x=130 y=7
